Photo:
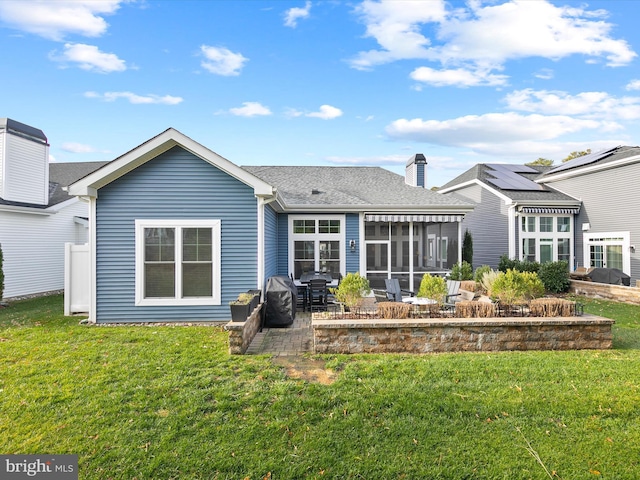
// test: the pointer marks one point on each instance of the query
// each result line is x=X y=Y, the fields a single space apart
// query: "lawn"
x=156 y=402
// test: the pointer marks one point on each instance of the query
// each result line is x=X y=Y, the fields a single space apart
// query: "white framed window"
x=316 y=243
x=177 y=262
x=546 y=238
x=608 y=250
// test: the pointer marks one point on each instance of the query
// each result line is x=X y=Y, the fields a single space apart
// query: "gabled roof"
x=60 y=175
x=486 y=174
x=89 y=185
x=603 y=159
x=351 y=189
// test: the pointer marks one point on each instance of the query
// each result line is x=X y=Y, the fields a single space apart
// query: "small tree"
x=433 y=287
x=467 y=247
x=353 y=287
x=462 y=271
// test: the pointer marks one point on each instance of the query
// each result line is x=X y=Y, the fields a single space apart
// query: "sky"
x=335 y=83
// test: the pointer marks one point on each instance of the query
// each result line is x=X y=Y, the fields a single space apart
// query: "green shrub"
x=462 y=271
x=352 y=288
x=480 y=271
x=433 y=287
x=488 y=279
x=520 y=265
x=513 y=287
x=555 y=276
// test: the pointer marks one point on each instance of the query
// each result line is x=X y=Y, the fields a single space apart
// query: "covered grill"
x=612 y=276
x=281 y=297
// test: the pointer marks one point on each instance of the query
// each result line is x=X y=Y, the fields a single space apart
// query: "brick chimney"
x=415 y=173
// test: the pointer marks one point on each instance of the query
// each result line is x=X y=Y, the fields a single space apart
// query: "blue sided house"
x=177 y=231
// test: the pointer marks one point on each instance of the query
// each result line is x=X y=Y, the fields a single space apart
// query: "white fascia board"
x=381 y=209
x=89 y=185
x=28 y=210
x=587 y=169
x=507 y=200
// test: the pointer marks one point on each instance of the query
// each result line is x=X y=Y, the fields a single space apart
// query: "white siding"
x=33 y=248
x=25 y=176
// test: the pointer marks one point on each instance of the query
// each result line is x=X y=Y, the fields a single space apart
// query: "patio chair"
x=395 y=293
x=380 y=295
x=317 y=294
x=301 y=297
x=453 y=293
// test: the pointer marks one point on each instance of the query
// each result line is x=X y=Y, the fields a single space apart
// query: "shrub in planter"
x=480 y=271
x=514 y=287
x=522 y=266
x=487 y=280
x=463 y=271
x=241 y=307
x=353 y=287
x=555 y=276
x=433 y=287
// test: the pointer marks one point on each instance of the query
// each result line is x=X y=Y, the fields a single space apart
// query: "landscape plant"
x=515 y=287
x=507 y=263
x=467 y=248
x=555 y=276
x=461 y=271
x=352 y=289
x=433 y=287
x=480 y=271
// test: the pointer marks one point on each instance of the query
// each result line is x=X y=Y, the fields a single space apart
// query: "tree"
x=544 y=162
x=467 y=247
x=573 y=155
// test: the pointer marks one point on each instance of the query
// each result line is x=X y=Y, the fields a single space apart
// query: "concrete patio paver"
x=292 y=340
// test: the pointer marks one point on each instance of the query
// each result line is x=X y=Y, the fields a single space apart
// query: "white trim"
x=92 y=261
x=460 y=186
x=151 y=149
x=554 y=234
x=214 y=299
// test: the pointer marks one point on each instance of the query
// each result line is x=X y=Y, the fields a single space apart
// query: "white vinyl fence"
x=77 y=270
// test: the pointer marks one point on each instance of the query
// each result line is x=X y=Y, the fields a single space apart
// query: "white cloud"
x=222 y=61
x=74 y=147
x=486 y=35
x=292 y=15
x=250 y=109
x=380 y=160
x=136 y=99
x=633 y=85
x=544 y=74
x=477 y=131
x=586 y=104
x=459 y=77
x=53 y=19
x=90 y=58
x=395 y=25
x=326 y=112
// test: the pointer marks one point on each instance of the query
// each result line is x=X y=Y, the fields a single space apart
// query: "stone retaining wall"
x=242 y=333
x=461 y=335
x=619 y=293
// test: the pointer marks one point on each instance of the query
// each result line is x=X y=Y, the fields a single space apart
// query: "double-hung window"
x=317 y=244
x=177 y=262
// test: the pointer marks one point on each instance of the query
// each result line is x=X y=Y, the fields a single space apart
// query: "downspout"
x=512 y=213
x=459 y=243
x=262 y=201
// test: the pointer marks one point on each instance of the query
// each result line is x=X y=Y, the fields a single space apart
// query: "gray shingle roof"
x=61 y=175
x=355 y=188
x=482 y=173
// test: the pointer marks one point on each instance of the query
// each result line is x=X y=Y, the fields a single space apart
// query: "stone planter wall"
x=619 y=293
x=461 y=335
x=242 y=333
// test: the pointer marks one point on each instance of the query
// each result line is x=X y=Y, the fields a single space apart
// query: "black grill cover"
x=612 y=276
x=281 y=296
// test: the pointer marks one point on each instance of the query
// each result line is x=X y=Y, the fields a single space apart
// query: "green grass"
x=169 y=402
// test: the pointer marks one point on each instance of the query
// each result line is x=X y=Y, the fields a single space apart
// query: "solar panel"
x=507 y=177
x=583 y=160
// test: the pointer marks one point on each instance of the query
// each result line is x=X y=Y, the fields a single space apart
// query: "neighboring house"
x=36 y=216
x=580 y=211
x=177 y=231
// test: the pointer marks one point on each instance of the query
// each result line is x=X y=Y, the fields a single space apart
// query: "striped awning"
x=413 y=218
x=563 y=211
